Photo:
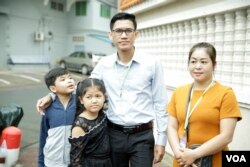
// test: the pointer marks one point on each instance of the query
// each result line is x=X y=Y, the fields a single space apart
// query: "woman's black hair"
x=211 y=51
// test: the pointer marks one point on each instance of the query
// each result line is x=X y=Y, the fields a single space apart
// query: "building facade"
x=169 y=28
x=41 y=31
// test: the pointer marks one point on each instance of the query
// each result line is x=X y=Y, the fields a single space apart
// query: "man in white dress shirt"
x=137 y=95
x=136 y=92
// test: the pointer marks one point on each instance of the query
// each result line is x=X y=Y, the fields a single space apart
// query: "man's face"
x=123 y=34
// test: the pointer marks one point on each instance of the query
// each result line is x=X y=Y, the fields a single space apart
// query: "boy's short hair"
x=53 y=74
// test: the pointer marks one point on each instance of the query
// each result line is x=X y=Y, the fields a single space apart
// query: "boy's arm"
x=43 y=136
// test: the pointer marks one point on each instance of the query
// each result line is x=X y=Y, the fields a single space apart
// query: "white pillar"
x=210 y=21
x=246 y=77
x=194 y=32
x=239 y=48
x=219 y=44
x=202 y=30
x=228 y=48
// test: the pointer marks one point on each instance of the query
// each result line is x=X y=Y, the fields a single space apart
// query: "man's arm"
x=160 y=101
x=44 y=102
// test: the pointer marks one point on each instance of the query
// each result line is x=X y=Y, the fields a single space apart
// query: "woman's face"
x=200 y=66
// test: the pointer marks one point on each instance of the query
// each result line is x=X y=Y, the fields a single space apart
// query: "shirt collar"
x=135 y=58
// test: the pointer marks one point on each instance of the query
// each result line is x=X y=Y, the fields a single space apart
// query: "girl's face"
x=201 y=66
x=93 y=100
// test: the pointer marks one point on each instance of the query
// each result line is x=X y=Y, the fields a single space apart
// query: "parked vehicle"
x=96 y=58
x=83 y=62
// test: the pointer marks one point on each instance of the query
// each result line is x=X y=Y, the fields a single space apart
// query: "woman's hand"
x=186 y=157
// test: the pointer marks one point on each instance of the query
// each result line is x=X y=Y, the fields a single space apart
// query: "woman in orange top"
x=204 y=112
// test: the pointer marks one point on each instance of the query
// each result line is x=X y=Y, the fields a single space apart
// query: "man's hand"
x=159 y=152
x=43 y=103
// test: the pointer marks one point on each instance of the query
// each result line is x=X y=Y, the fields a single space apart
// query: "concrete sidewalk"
x=28 y=158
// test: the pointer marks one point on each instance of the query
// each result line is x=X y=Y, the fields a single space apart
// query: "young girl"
x=89 y=140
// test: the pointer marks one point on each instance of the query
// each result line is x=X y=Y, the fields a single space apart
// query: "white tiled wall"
x=229 y=32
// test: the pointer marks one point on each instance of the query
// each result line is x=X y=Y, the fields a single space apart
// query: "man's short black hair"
x=123 y=16
x=53 y=74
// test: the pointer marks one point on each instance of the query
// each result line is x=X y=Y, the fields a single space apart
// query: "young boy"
x=54 y=148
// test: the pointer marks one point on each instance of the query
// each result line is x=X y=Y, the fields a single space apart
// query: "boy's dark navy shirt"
x=54 y=147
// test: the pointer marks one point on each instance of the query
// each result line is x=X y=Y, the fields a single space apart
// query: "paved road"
x=26 y=78
x=24 y=87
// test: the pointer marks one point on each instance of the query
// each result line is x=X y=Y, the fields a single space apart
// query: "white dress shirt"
x=136 y=91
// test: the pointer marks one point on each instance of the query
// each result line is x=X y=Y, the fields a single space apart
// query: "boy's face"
x=64 y=84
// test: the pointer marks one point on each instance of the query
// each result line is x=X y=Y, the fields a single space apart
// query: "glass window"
x=81 y=8
x=60 y=7
x=89 y=55
x=57 y=6
x=74 y=54
x=82 y=55
x=105 y=11
x=53 y=5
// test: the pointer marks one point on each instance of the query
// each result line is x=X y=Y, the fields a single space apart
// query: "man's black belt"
x=98 y=156
x=131 y=129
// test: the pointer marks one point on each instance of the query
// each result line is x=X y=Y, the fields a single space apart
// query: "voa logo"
x=236 y=158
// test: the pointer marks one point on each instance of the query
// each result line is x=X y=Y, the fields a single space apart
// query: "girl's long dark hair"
x=82 y=88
